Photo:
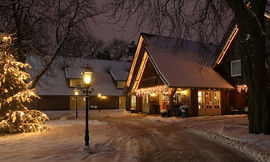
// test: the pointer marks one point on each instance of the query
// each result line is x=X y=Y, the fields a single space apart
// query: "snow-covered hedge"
x=23 y=121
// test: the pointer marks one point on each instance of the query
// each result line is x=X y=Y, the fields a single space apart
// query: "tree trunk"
x=257 y=80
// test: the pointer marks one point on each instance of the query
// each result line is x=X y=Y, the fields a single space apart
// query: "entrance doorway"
x=209 y=102
x=145 y=104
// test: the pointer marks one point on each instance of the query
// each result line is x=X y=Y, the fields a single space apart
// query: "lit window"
x=133 y=101
x=75 y=82
x=121 y=84
x=236 y=68
x=209 y=99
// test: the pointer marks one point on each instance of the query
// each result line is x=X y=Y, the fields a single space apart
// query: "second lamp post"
x=76 y=93
x=87 y=77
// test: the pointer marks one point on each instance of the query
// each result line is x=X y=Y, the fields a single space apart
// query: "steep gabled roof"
x=180 y=63
x=203 y=51
x=183 y=70
x=228 y=38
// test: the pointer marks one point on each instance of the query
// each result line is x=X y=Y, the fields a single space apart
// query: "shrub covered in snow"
x=23 y=121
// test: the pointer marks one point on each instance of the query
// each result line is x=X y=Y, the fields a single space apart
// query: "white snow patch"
x=164 y=119
x=64 y=141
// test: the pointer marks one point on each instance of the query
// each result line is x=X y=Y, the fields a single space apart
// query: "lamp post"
x=99 y=97
x=76 y=93
x=87 y=76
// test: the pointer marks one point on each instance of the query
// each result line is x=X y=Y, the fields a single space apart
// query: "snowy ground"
x=231 y=130
x=112 y=139
x=65 y=142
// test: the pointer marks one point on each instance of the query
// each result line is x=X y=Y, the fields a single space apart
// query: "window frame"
x=75 y=80
x=236 y=61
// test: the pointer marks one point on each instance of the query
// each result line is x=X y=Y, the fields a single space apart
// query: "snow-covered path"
x=114 y=137
x=64 y=142
x=159 y=141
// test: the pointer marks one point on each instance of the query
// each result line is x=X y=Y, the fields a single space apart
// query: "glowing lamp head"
x=99 y=95
x=103 y=97
x=76 y=92
x=87 y=76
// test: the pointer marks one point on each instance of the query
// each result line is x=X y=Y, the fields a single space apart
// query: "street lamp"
x=87 y=76
x=99 y=97
x=76 y=93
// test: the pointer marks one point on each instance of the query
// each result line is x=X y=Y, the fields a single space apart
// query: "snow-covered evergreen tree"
x=14 y=80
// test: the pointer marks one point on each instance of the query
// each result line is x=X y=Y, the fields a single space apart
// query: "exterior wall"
x=234 y=53
x=190 y=99
x=224 y=68
x=63 y=102
x=110 y=102
x=150 y=77
x=51 y=103
x=239 y=99
x=226 y=102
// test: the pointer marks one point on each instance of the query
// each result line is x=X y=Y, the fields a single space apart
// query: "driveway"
x=114 y=138
x=157 y=141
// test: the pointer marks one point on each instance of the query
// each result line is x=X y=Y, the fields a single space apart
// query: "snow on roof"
x=184 y=69
x=120 y=74
x=205 y=52
x=56 y=83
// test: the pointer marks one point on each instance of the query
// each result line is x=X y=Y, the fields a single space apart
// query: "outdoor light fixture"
x=99 y=97
x=76 y=93
x=87 y=77
x=103 y=97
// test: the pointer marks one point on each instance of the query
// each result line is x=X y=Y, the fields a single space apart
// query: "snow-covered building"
x=56 y=88
x=166 y=72
x=229 y=63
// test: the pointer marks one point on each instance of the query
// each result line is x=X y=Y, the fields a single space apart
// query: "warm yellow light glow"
x=134 y=61
x=150 y=90
x=141 y=70
x=184 y=92
x=76 y=92
x=153 y=95
x=228 y=43
x=103 y=97
x=267 y=16
x=6 y=38
x=99 y=95
x=87 y=75
x=242 y=87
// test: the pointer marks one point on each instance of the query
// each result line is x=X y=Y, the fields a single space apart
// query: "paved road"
x=159 y=141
